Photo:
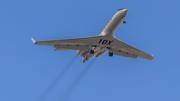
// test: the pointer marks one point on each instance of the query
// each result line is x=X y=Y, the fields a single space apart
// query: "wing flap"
x=71 y=47
x=126 y=54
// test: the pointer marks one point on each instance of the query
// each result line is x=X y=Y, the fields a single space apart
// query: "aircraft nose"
x=125 y=10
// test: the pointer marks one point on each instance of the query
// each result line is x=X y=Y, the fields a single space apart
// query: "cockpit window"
x=120 y=9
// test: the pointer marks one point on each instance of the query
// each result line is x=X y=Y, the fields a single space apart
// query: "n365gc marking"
x=105 y=42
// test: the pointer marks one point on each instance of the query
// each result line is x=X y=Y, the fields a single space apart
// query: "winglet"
x=152 y=56
x=33 y=41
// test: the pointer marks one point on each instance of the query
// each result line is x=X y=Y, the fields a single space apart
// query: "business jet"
x=96 y=46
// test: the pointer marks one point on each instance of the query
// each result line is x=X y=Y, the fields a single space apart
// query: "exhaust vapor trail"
x=76 y=81
x=56 y=80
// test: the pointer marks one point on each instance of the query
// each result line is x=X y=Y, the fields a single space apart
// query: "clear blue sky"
x=28 y=70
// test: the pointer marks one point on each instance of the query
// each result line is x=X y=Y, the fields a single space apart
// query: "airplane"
x=96 y=46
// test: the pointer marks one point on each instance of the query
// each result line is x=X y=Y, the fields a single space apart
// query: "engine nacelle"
x=100 y=53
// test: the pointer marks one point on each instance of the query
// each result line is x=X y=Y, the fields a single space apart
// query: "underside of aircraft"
x=90 y=47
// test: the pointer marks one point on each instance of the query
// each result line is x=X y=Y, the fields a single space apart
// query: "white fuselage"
x=107 y=32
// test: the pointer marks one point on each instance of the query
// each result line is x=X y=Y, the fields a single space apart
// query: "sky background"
x=31 y=72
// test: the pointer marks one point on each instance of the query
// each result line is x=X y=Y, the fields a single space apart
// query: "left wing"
x=121 y=48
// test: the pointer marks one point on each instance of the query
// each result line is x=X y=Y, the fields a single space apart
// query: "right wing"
x=71 y=44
